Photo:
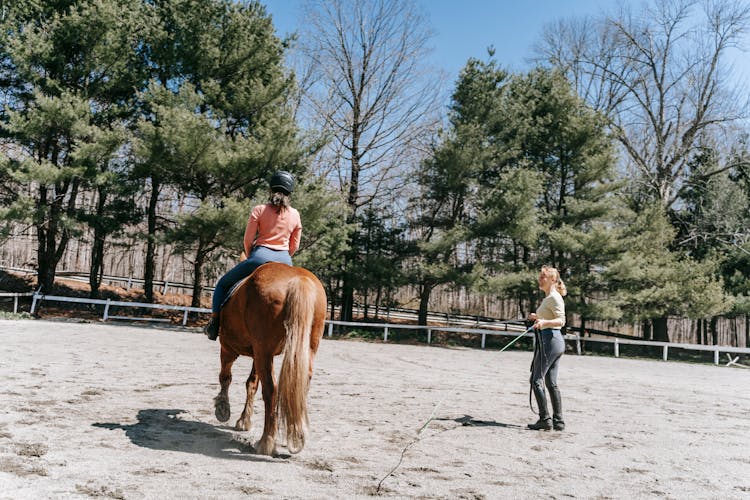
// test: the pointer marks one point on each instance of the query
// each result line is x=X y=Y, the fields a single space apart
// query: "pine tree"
x=651 y=283
x=549 y=193
x=446 y=204
x=69 y=68
x=217 y=122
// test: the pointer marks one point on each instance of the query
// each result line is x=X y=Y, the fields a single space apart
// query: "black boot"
x=557 y=416
x=545 y=422
x=212 y=328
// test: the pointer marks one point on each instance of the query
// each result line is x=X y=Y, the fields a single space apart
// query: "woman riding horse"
x=273 y=234
x=279 y=309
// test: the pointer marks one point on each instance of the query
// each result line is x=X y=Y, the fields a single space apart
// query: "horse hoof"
x=221 y=407
x=242 y=424
x=266 y=446
x=295 y=444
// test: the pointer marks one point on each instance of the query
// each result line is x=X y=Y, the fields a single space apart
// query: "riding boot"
x=545 y=422
x=212 y=328
x=557 y=415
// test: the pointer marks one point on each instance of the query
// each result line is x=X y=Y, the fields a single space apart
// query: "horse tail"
x=294 y=378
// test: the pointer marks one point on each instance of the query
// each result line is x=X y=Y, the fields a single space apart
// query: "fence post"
x=429 y=335
x=184 y=318
x=716 y=355
x=385 y=334
x=166 y=284
x=666 y=349
x=483 y=339
x=578 y=344
x=33 y=303
x=130 y=282
x=617 y=348
x=15 y=304
x=330 y=329
x=106 y=310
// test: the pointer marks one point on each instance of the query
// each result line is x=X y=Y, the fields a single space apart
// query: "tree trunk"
x=646 y=329
x=365 y=303
x=97 y=250
x=713 y=330
x=347 y=282
x=49 y=251
x=378 y=298
x=333 y=287
x=660 y=329
x=347 y=299
x=97 y=262
x=200 y=259
x=150 y=264
x=424 y=300
x=41 y=233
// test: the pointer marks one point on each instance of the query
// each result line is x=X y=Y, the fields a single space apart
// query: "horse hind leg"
x=267 y=443
x=243 y=424
x=221 y=401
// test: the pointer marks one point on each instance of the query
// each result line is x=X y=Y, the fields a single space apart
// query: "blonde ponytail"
x=554 y=275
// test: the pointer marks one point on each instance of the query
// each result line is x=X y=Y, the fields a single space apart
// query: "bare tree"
x=662 y=77
x=372 y=92
x=371 y=95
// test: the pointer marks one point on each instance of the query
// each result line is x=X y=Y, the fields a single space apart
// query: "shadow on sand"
x=163 y=429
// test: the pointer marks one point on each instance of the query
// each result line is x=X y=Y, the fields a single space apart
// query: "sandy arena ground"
x=102 y=410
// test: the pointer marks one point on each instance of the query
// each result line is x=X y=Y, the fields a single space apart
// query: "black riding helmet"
x=282 y=181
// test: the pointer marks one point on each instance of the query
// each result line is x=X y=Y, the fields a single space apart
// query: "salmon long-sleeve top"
x=275 y=229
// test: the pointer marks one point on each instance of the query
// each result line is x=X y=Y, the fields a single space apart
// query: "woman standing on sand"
x=548 y=320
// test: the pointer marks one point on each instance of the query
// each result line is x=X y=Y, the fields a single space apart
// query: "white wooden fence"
x=509 y=328
x=128 y=282
x=125 y=282
x=107 y=303
x=15 y=297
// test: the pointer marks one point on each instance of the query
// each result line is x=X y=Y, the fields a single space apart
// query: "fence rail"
x=391 y=312
x=15 y=297
x=128 y=281
x=399 y=313
x=509 y=328
x=107 y=303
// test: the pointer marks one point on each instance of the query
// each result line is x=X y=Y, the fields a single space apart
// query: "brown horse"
x=276 y=309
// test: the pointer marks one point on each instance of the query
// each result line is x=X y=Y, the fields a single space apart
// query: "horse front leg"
x=221 y=401
x=243 y=424
x=267 y=443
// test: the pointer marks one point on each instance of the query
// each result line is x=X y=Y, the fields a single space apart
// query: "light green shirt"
x=552 y=307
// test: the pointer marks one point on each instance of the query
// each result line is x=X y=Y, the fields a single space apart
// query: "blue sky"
x=465 y=28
